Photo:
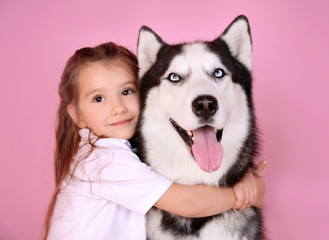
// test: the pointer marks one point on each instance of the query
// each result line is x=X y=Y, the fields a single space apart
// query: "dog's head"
x=202 y=89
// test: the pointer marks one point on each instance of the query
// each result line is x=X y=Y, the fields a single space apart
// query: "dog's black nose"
x=205 y=106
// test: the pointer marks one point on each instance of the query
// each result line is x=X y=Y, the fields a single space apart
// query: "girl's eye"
x=219 y=73
x=127 y=92
x=173 y=77
x=98 y=99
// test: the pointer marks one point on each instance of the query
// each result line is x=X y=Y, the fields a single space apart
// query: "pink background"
x=291 y=57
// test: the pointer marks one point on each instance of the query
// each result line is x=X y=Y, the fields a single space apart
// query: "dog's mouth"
x=205 y=145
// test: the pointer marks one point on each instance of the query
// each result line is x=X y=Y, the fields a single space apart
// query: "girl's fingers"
x=239 y=201
x=260 y=167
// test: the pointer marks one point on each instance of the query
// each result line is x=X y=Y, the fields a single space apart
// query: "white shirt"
x=109 y=194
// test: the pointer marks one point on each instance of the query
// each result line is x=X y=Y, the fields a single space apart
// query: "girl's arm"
x=196 y=200
x=202 y=200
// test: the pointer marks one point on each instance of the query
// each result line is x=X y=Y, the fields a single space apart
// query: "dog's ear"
x=238 y=38
x=148 y=46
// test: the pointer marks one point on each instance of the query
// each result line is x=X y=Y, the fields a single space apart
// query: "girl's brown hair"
x=67 y=132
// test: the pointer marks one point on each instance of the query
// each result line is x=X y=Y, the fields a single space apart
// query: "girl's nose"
x=117 y=107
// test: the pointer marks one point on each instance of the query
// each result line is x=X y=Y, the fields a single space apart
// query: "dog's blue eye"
x=219 y=73
x=174 y=77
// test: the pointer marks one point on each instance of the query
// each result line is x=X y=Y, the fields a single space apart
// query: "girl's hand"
x=251 y=190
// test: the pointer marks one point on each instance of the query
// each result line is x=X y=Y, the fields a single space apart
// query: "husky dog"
x=197 y=125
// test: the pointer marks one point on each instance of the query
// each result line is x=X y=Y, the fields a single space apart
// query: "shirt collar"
x=87 y=136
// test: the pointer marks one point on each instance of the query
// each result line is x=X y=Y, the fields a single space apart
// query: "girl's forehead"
x=100 y=73
x=113 y=65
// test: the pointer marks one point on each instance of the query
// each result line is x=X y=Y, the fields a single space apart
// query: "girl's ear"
x=73 y=112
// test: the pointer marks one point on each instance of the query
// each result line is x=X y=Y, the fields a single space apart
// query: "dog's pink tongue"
x=206 y=150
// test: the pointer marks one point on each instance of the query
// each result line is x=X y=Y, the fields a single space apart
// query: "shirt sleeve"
x=122 y=178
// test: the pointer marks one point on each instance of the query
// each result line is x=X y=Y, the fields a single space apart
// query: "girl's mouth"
x=121 y=122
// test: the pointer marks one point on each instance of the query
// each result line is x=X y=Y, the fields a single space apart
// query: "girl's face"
x=108 y=100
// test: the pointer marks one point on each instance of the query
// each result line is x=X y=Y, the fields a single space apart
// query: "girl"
x=102 y=189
